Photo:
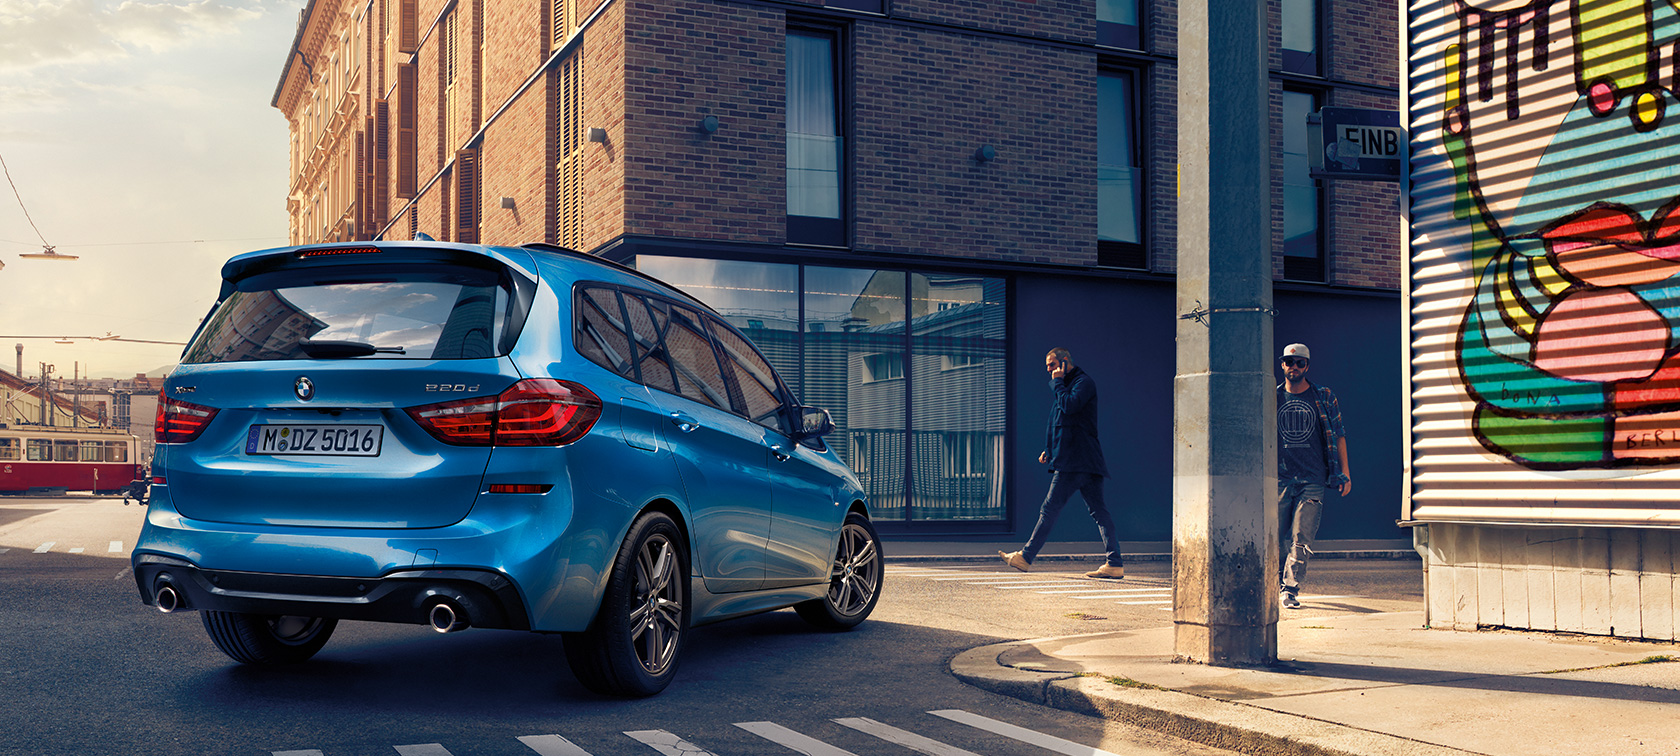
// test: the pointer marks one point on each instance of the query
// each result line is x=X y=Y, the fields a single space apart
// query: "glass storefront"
x=910 y=365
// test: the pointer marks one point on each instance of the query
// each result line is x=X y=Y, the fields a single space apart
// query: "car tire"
x=267 y=639
x=633 y=647
x=854 y=583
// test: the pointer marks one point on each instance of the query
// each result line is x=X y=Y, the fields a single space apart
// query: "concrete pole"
x=1225 y=605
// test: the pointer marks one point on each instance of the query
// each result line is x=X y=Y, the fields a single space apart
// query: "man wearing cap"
x=1075 y=457
x=1312 y=455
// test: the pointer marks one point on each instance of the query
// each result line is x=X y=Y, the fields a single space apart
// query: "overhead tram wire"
x=46 y=249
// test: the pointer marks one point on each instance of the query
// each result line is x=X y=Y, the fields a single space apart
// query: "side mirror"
x=814 y=421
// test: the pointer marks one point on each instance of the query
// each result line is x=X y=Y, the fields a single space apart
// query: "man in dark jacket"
x=1075 y=457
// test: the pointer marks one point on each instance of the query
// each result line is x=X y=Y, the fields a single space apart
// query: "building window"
x=1117 y=24
x=1303 y=196
x=1300 y=36
x=815 y=143
x=911 y=366
x=882 y=367
x=451 y=96
x=1119 y=229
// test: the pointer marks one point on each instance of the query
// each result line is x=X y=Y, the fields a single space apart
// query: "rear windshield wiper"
x=332 y=350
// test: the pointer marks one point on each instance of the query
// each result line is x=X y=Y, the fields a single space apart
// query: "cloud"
x=35 y=33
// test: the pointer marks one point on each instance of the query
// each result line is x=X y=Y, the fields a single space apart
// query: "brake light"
x=179 y=422
x=332 y=252
x=532 y=412
x=520 y=488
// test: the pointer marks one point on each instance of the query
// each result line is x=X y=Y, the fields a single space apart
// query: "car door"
x=721 y=456
x=806 y=515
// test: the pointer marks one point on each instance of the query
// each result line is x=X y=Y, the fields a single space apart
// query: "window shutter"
x=562 y=22
x=466 y=196
x=569 y=170
x=362 y=178
x=551 y=155
x=381 y=163
x=406 y=118
x=407 y=26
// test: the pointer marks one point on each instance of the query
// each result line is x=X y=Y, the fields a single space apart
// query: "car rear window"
x=421 y=312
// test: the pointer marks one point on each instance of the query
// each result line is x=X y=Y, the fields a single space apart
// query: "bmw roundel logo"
x=304 y=388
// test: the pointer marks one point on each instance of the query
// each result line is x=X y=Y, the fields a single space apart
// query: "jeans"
x=1062 y=487
x=1300 y=504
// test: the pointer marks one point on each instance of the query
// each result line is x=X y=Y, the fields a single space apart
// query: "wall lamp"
x=507 y=203
x=708 y=125
x=985 y=154
x=598 y=135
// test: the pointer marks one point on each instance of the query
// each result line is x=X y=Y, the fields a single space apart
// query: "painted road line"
x=780 y=735
x=116 y=548
x=552 y=745
x=423 y=749
x=1031 y=737
x=1028 y=586
x=904 y=738
x=973 y=575
x=77 y=550
x=2 y=551
x=1109 y=595
x=45 y=547
x=310 y=752
x=668 y=744
x=1144 y=603
x=1088 y=589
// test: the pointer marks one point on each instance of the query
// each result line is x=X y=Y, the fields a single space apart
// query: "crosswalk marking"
x=1028 y=586
x=668 y=744
x=45 y=547
x=1088 y=589
x=424 y=749
x=778 y=734
x=2 y=551
x=904 y=738
x=1031 y=737
x=552 y=745
x=116 y=548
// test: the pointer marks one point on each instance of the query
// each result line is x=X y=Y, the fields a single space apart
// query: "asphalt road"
x=86 y=669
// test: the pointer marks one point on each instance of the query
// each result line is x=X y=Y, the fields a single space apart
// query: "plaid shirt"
x=1330 y=422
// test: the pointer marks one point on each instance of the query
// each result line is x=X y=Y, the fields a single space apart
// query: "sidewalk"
x=1362 y=684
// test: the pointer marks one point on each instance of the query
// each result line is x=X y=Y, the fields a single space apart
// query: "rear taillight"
x=179 y=422
x=532 y=412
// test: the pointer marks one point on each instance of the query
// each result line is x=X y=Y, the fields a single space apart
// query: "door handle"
x=780 y=455
x=683 y=422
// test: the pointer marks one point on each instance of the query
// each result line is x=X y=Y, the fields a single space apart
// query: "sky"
x=140 y=138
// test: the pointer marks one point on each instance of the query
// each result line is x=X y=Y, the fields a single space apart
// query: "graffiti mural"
x=1561 y=126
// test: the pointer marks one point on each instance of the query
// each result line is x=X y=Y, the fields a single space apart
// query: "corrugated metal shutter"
x=1543 y=319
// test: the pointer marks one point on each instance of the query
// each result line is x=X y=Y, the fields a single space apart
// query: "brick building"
x=906 y=202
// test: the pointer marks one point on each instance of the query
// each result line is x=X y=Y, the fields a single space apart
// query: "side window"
x=10 y=449
x=759 y=392
x=648 y=325
x=698 y=375
x=600 y=332
x=40 y=450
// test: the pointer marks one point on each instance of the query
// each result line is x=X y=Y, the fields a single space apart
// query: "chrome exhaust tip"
x=167 y=600
x=446 y=618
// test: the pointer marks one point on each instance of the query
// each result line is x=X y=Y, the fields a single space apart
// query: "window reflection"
x=959 y=404
x=910 y=366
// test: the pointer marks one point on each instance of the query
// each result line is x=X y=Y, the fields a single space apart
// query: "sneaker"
x=1014 y=559
x=1108 y=571
x=1288 y=600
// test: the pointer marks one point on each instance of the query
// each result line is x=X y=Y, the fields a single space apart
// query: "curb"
x=1398 y=554
x=1222 y=724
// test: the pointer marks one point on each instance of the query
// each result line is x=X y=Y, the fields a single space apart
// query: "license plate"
x=316 y=440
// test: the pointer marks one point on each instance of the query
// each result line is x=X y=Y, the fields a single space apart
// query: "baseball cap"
x=1296 y=350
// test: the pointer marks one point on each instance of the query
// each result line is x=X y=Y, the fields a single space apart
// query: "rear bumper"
x=488 y=599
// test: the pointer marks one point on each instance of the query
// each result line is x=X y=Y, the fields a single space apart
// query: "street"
x=85 y=668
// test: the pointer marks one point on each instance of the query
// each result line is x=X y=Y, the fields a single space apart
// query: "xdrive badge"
x=304 y=388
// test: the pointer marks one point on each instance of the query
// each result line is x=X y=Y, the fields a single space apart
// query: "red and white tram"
x=45 y=458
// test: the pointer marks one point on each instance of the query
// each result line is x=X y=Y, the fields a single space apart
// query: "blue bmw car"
x=524 y=438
